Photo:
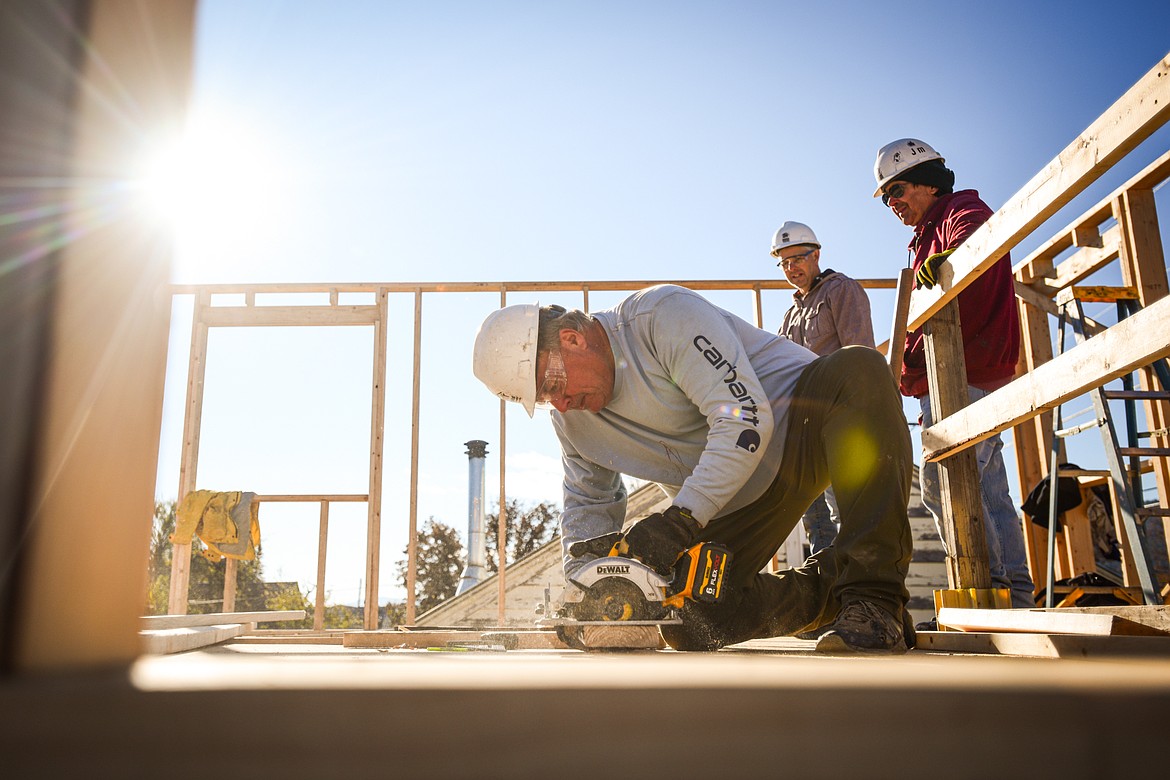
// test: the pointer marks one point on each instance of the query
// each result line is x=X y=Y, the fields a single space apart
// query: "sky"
x=386 y=141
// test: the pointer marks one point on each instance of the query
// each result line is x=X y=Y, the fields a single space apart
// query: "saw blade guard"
x=652 y=584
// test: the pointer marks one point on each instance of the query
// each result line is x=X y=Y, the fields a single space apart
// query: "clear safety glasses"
x=788 y=262
x=554 y=382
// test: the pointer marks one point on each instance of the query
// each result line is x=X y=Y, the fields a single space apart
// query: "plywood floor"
x=770 y=708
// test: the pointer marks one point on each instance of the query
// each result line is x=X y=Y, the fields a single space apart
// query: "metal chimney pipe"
x=476 y=570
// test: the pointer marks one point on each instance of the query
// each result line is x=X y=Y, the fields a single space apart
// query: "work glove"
x=927 y=275
x=658 y=540
x=598 y=546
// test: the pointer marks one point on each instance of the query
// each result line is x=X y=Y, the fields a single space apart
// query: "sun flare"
x=218 y=185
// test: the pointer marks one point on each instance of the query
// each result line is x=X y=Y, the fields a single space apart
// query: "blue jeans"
x=1005 y=533
x=821 y=521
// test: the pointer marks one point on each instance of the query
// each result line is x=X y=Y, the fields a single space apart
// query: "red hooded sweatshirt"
x=987 y=308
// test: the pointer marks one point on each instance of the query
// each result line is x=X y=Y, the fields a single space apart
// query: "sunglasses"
x=895 y=191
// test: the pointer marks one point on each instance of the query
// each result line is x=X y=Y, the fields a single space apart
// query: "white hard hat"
x=504 y=357
x=793 y=234
x=900 y=156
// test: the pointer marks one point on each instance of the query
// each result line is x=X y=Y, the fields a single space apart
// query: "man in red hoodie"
x=914 y=182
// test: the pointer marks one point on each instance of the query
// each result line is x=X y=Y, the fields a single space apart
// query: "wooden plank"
x=1044 y=645
x=86 y=88
x=897 y=342
x=1083 y=263
x=1042 y=622
x=525 y=639
x=393 y=716
x=253 y=638
x=322 y=554
x=377 y=431
x=1042 y=303
x=189 y=457
x=1039 y=262
x=229 y=584
x=620 y=285
x=1135 y=341
x=289 y=316
x=416 y=640
x=757 y=306
x=1033 y=437
x=178 y=640
x=1157 y=617
x=1145 y=266
x=308 y=498
x=1142 y=110
x=502 y=514
x=1095 y=294
x=962 y=521
x=1087 y=261
x=1087 y=236
x=292 y=634
x=619 y=637
x=1070 y=595
x=973 y=598
x=1077 y=533
x=155 y=622
x=415 y=395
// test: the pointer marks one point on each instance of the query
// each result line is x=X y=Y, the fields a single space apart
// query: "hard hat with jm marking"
x=899 y=156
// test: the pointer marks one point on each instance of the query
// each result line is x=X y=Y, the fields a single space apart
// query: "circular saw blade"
x=617 y=599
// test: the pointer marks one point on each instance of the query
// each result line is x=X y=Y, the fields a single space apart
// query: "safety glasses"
x=554 y=382
x=788 y=262
x=896 y=190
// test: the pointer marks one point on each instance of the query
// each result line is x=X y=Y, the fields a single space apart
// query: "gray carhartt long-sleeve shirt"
x=700 y=406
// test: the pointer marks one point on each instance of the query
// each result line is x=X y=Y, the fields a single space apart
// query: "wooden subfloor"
x=770 y=708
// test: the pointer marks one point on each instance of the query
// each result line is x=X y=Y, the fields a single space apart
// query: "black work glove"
x=659 y=539
x=598 y=546
x=927 y=275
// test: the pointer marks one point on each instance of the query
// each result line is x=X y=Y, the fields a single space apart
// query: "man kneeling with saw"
x=743 y=429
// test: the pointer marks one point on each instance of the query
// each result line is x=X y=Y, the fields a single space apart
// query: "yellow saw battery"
x=698 y=574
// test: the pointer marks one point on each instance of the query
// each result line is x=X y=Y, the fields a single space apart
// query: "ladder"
x=1126 y=482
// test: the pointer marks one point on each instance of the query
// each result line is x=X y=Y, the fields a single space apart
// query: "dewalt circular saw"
x=616 y=587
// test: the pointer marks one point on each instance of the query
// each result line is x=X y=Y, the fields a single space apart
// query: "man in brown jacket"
x=829 y=311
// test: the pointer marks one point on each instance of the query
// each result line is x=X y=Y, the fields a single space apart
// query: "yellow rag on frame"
x=227 y=522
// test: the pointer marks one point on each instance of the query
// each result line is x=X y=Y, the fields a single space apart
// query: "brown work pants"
x=846 y=428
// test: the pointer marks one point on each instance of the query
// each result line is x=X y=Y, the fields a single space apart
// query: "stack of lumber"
x=1067 y=632
x=162 y=634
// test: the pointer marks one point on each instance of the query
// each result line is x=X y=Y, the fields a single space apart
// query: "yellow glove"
x=927 y=275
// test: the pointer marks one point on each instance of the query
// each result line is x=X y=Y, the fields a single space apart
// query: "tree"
x=441 y=556
x=205 y=591
x=280 y=599
x=525 y=529
x=394 y=615
x=440 y=563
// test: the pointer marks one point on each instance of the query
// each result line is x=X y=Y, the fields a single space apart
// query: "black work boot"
x=909 y=630
x=864 y=627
